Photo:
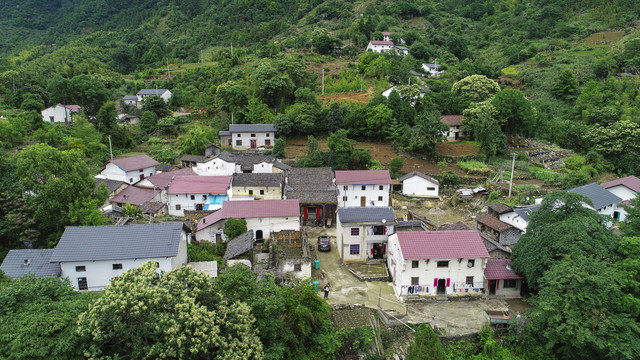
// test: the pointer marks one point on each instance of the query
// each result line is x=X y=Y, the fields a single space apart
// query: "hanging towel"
x=419 y=288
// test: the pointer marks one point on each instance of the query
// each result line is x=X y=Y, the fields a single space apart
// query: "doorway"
x=492 y=286
x=259 y=235
x=378 y=251
x=363 y=201
x=442 y=286
x=253 y=144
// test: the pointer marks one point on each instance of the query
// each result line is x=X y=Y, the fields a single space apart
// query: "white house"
x=431 y=263
x=626 y=189
x=501 y=281
x=604 y=201
x=432 y=69
x=227 y=163
x=386 y=36
x=60 y=113
x=248 y=136
x=130 y=169
x=145 y=93
x=456 y=131
x=518 y=217
x=363 y=187
x=160 y=182
x=257 y=186
x=131 y=100
x=402 y=50
x=416 y=183
x=263 y=217
x=380 y=46
x=91 y=256
x=199 y=193
x=362 y=232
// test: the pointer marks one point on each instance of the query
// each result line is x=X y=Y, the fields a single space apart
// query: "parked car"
x=324 y=243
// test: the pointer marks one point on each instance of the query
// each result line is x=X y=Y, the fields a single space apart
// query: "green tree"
x=427 y=345
x=394 y=102
x=395 y=166
x=342 y=149
x=428 y=132
x=631 y=224
x=157 y=105
x=234 y=228
x=106 y=117
x=279 y=148
x=196 y=140
x=566 y=87
x=284 y=124
x=84 y=90
x=487 y=132
x=378 y=119
x=618 y=143
x=475 y=88
x=324 y=43
x=32 y=102
x=149 y=121
x=231 y=96
x=257 y=112
x=514 y=112
x=132 y=211
x=457 y=45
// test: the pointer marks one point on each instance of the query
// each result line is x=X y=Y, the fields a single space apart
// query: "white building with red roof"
x=263 y=217
x=380 y=46
x=625 y=188
x=130 y=169
x=431 y=263
x=363 y=187
x=59 y=113
x=197 y=193
x=501 y=280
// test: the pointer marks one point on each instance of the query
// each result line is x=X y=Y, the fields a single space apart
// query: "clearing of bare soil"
x=451 y=148
x=362 y=97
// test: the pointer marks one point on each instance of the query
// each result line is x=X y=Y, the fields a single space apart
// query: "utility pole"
x=110 y=149
x=513 y=163
x=322 y=81
x=232 y=117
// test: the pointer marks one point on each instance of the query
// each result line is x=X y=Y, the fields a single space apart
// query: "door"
x=259 y=235
x=616 y=215
x=377 y=251
x=253 y=144
x=199 y=207
x=492 y=287
x=363 y=201
x=442 y=286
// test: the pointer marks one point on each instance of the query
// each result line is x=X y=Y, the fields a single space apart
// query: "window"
x=253 y=135
x=81 y=268
x=510 y=283
x=238 y=135
x=379 y=230
x=193 y=197
x=250 y=192
x=82 y=284
x=261 y=192
x=140 y=170
x=345 y=188
x=52 y=119
x=354 y=249
x=267 y=142
x=130 y=180
x=268 y=134
x=415 y=280
x=204 y=197
x=178 y=207
x=443 y=264
x=469 y=280
x=381 y=187
x=238 y=142
x=297 y=267
x=415 y=264
x=364 y=187
x=344 y=198
x=355 y=231
x=431 y=189
x=117 y=266
x=471 y=263
x=379 y=198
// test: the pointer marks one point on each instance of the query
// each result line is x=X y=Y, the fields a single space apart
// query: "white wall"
x=379 y=48
x=419 y=187
x=355 y=192
x=58 y=113
x=263 y=167
x=344 y=239
x=622 y=192
x=267 y=225
x=270 y=193
x=512 y=218
x=260 y=137
x=113 y=172
x=214 y=202
x=165 y=96
x=502 y=292
x=305 y=269
x=100 y=273
x=215 y=167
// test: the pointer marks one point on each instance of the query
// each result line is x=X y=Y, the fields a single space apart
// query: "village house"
x=227 y=163
x=431 y=263
x=380 y=46
x=114 y=187
x=197 y=193
x=211 y=150
x=362 y=232
x=518 y=217
x=160 y=182
x=263 y=217
x=416 y=183
x=317 y=192
x=402 y=50
x=258 y=186
x=92 y=256
x=432 y=69
x=129 y=169
x=145 y=93
x=21 y=262
x=626 y=189
x=135 y=195
x=604 y=202
x=248 y=136
x=131 y=100
x=60 y=113
x=505 y=234
x=501 y=281
x=190 y=161
x=240 y=250
x=363 y=187
x=386 y=36
x=456 y=131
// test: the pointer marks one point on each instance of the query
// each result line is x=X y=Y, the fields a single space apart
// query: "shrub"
x=474 y=167
x=544 y=174
x=395 y=166
x=575 y=162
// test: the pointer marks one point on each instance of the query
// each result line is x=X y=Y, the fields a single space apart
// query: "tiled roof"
x=72 y=108
x=162 y=180
x=456 y=226
x=192 y=158
x=135 y=162
x=311 y=185
x=363 y=177
x=224 y=133
x=165 y=167
x=432 y=66
x=631 y=182
x=419 y=174
x=401 y=47
x=497 y=270
x=386 y=33
x=239 y=245
x=246 y=161
x=134 y=195
x=500 y=208
x=252 y=209
x=112 y=242
x=247 y=128
x=493 y=222
x=600 y=196
x=199 y=185
x=21 y=262
x=145 y=92
x=257 y=179
x=525 y=211
x=417 y=245
x=379 y=42
x=130 y=97
x=364 y=214
x=112 y=185
x=452 y=120
x=152 y=207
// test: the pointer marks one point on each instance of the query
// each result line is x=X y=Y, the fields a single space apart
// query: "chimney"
x=204 y=221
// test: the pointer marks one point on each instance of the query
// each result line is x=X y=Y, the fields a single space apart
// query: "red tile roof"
x=386 y=33
x=363 y=177
x=72 y=108
x=162 y=180
x=252 y=209
x=135 y=162
x=199 y=185
x=418 y=245
x=452 y=120
x=378 y=42
x=134 y=195
x=497 y=270
x=630 y=182
x=493 y=222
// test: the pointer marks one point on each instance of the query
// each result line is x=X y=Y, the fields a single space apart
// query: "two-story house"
x=145 y=93
x=604 y=202
x=248 y=136
x=197 y=193
x=362 y=232
x=129 y=169
x=363 y=187
x=257 y=186
x=456 y=130
x=227 y=163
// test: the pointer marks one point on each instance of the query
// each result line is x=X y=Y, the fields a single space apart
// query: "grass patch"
x=474 y=167
x=510 y=71
x=544 y=174
x=527 y=187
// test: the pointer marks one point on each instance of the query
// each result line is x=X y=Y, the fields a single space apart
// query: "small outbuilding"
x=416 y=183
x=501 y=280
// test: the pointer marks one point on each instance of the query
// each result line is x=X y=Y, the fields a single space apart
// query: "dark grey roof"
x=281 y=166
x=152 y=92
x=245 y=128
x=419 y=174
x=164 y=167
x=257 y=179
x=363 y=214
x=152 y=207
x=311 y=186
x=600 y=196
x=239 y=245
x=112 y=185
x=193 y=158
x=433 y=66
x=18 y=263
x=246 y=161
x=223 y=133
x=130 y=97
x=111 y=242
x=525 y=211
x=402 y=47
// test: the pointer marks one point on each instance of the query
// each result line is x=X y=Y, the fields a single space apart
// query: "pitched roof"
x=145 y=92
x=362 y=214
x=493 y=222
x=417 y=245
x=311 y=186
x=134 y=195
x=363 y=177
x=199 y=185
x=112 y=185
x=419 y=174
x=257 y=179
x=452 y=120
x=112 y=242
x=239 y=245
x=252 y=209
x=500 y=208
x=152 y=207
x=72 y=108
x=379 y=42
x=162 y=180
x=130 y=97
x=432 y=66
x=135 y=162
x=498 y=269
x=193 y=158
x=455 y=226
x=386 y=33
x=21 y=262
x=246 y=128
x=600 y=196
x=401 y=47
x=165 y=167
x=246 y=160
x=525 y=211
x=630 y=182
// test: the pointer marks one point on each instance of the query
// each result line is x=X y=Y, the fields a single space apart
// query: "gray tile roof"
x=158 y=92
x=364 y=214
x=239 y=245
x=224 y=133
x=420 y=175
x=112 y=185
x=111 y=242
x=130 y=97
x=21 y=262
x=600 y=196
x=246 y=161
x=245 y=128
x=525 y=211
x=257 y=179
x=311 y=186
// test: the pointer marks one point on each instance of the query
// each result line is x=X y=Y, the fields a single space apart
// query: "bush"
x=205 y=251
x=575 y=162
x=474 y=167
x=395 y=166
x=234 y=228
x=544 y=174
